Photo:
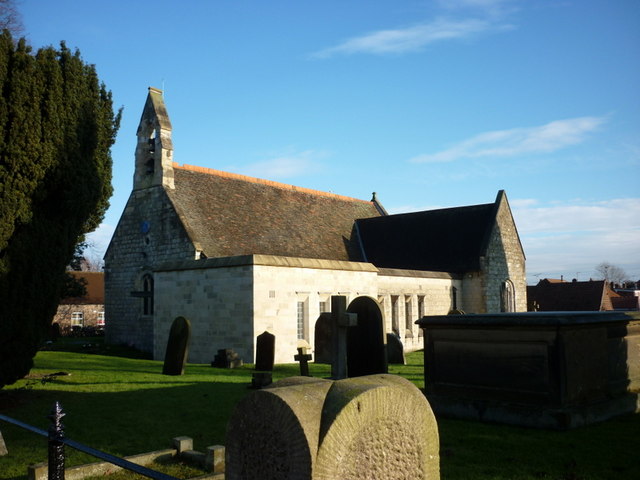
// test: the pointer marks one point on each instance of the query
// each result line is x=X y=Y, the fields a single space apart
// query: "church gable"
x=228 y=215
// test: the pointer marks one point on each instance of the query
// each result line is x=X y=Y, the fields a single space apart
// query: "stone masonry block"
x=182 y=444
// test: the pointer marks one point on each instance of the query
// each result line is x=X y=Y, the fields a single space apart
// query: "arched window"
x=507 y=297
x=147 y=298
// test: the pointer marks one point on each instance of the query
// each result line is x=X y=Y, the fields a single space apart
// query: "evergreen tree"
x=57 y=126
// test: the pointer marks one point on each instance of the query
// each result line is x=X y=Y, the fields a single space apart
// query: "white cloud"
x=546 y=138
x=464 y=19
x=408 y=39
x=288 y=165
x=571 y=238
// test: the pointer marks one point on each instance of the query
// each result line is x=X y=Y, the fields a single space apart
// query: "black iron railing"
x=57 y=441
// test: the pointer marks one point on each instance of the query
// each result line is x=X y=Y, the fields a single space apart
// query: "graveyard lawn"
x=126 y=406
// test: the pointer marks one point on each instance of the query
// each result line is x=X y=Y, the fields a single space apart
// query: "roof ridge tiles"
x=284 y=186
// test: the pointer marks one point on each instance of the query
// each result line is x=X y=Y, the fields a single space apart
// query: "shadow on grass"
x=125 y=406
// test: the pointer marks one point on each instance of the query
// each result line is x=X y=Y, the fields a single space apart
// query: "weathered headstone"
x=322 y=334
x=175 y=357
x=303 y=357
x=395 y=350
x=366 y=341
x=273 y=433
x=265 y=351
x=226 y=358
x=376 y=426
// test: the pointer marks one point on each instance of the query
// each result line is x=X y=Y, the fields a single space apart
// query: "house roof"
x=569 y=296
x=94 y=286
x=227 y=214
x=444 y=240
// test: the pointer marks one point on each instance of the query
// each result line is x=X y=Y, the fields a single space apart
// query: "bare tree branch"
x=10 y=18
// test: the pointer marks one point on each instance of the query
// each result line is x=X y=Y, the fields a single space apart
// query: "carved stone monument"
x=265 y=351
x=323 y=346
x=366 y=340
x=395 y=350
x=175 y=357
x=226 y=358
x=376 y=426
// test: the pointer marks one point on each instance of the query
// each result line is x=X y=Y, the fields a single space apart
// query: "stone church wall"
x=215 y=298
x=504 y=261
x=281 y=283
x=406 y=296
x=148 y=234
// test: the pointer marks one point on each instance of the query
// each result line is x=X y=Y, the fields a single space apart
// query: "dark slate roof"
x=227 y=215
x=549 y=296
x=445 y=240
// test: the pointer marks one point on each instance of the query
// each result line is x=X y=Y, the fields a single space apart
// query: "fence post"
x=56 y=443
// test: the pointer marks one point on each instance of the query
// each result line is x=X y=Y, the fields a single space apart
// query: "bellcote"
x=154 y=151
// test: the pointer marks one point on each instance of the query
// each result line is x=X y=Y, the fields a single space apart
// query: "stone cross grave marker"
x=265 y=351
x=303 y=357
x=366 y=341
x=340 y=322
x=175 y=357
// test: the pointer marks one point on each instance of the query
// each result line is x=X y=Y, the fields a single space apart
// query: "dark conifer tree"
x=57 y=126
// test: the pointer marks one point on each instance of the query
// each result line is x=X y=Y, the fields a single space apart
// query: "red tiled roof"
x=625 y=302
x=569 y=296
x=94 y=286
x=227 y=214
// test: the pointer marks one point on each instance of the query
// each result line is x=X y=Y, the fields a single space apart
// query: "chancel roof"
x=444 y=240
x=227 y=215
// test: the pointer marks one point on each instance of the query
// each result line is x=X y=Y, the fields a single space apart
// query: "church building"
x=238 y=256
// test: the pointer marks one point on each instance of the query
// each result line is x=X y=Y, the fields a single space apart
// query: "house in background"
x=238 y=256
x=553 y=295
x=86 y=313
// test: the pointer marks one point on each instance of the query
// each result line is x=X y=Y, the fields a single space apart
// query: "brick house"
x=86 y=313
x=238 y=255
x=553 y=295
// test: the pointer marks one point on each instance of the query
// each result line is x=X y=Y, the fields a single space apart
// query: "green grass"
x=124 y=405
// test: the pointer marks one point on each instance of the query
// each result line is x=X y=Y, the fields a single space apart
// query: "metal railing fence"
x=57 y=441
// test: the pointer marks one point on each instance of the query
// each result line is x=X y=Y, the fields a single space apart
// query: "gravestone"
x=366 y=341
x=303 y=357
x=175 y=357
x=272 y=433
x=226 y=358
x=372 y=427
x=323 y=350
x=395 y=350
x=341 y=321
x=265 y=352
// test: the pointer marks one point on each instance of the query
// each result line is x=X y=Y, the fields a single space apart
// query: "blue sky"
x=428 y=103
